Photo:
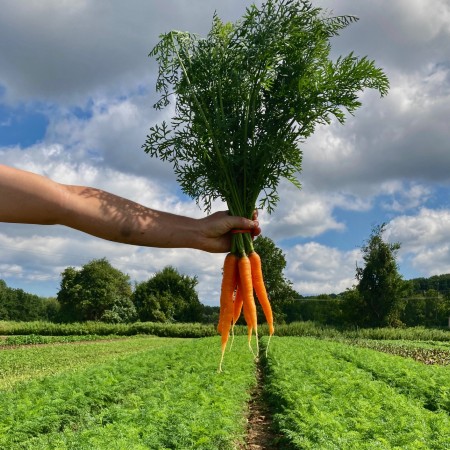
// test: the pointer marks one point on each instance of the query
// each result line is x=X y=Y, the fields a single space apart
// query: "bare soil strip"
x=260 y=428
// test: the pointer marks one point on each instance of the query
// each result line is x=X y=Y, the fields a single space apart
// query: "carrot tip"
x=257 y=342
x=268 y=343
x=221 y=360
x=232 y=337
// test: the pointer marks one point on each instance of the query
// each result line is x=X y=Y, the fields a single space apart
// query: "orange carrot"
x=237 y=308
x=237 y=305
x=229 y=275
x=260 y=289
x=229 y=279
x=246 y=288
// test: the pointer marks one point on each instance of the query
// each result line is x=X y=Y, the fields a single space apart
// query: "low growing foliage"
x=170 y=397
x=27 y=363
x=325 y=395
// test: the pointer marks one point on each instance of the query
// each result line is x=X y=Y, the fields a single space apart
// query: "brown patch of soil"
x=260 y=434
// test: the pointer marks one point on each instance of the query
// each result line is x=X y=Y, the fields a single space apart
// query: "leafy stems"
x=246 y=95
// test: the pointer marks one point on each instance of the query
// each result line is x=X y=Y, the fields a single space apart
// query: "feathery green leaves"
x=247 y=95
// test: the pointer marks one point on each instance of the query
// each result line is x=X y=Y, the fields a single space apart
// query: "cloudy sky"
x=76 y=96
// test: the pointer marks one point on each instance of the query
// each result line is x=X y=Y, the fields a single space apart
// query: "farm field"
x=329 y=395
x=26 y=363
x=165 y=393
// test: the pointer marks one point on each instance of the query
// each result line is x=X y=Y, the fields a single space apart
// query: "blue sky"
x=76 y=96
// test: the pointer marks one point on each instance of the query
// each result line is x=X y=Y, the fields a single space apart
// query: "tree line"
x=381 y=297
x=99 y=292
x=18 y=305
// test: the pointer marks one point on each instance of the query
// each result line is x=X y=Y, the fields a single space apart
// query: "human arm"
x=30 y=198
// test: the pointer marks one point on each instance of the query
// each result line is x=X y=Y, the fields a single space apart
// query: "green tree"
x=96 y=292
x=380 y=286
x=16 y=304
x=279 y=288
x=168 y=296
x=4 y=315
x=429 y=309
x=51 y=309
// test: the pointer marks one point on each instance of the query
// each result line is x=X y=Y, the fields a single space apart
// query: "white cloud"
x=11 y=270
x=316 y=269
x=403 y=197
x=72 y=50
x=94 y=55
x=302 y=213
x=402 y=138
x=404 y=33
x=424 y=240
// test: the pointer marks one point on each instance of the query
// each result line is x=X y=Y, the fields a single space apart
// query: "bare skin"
x=26 y=197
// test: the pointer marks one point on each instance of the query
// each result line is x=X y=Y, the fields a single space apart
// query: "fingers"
x=214 y=231
x=242 y=223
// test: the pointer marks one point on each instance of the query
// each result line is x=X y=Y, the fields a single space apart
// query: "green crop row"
x=196 y=330
x=189 y=330
x=431 y=345
x=429 y=385
x=325 y=398
x=26 y=363
x=33 y=339
x=313 y=329
x=425 y=352
x=164 y=398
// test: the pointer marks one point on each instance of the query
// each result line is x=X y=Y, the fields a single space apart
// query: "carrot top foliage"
x=247 y=95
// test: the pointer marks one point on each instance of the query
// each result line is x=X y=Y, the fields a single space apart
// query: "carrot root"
x=249 y=337
x=260 y=289
x=232 y=336
x=229 y=280
x=241 y=275
x=268 y=343
x=257 y=342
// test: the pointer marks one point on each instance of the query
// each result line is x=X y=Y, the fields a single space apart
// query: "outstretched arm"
x=26 y=197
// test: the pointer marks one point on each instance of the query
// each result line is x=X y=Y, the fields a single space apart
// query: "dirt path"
x=260 y=433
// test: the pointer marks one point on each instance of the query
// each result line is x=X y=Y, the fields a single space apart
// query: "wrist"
x=193 y=234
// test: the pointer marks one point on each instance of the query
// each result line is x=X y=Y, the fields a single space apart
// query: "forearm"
x=26 y=197
x=30 y=198
x=118 y=219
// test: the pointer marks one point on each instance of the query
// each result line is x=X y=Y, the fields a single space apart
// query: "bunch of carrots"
x=242 y=275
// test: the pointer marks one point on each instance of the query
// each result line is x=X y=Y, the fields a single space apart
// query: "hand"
x=215 y=230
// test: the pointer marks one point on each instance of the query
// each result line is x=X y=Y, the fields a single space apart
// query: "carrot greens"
x=247 y=96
